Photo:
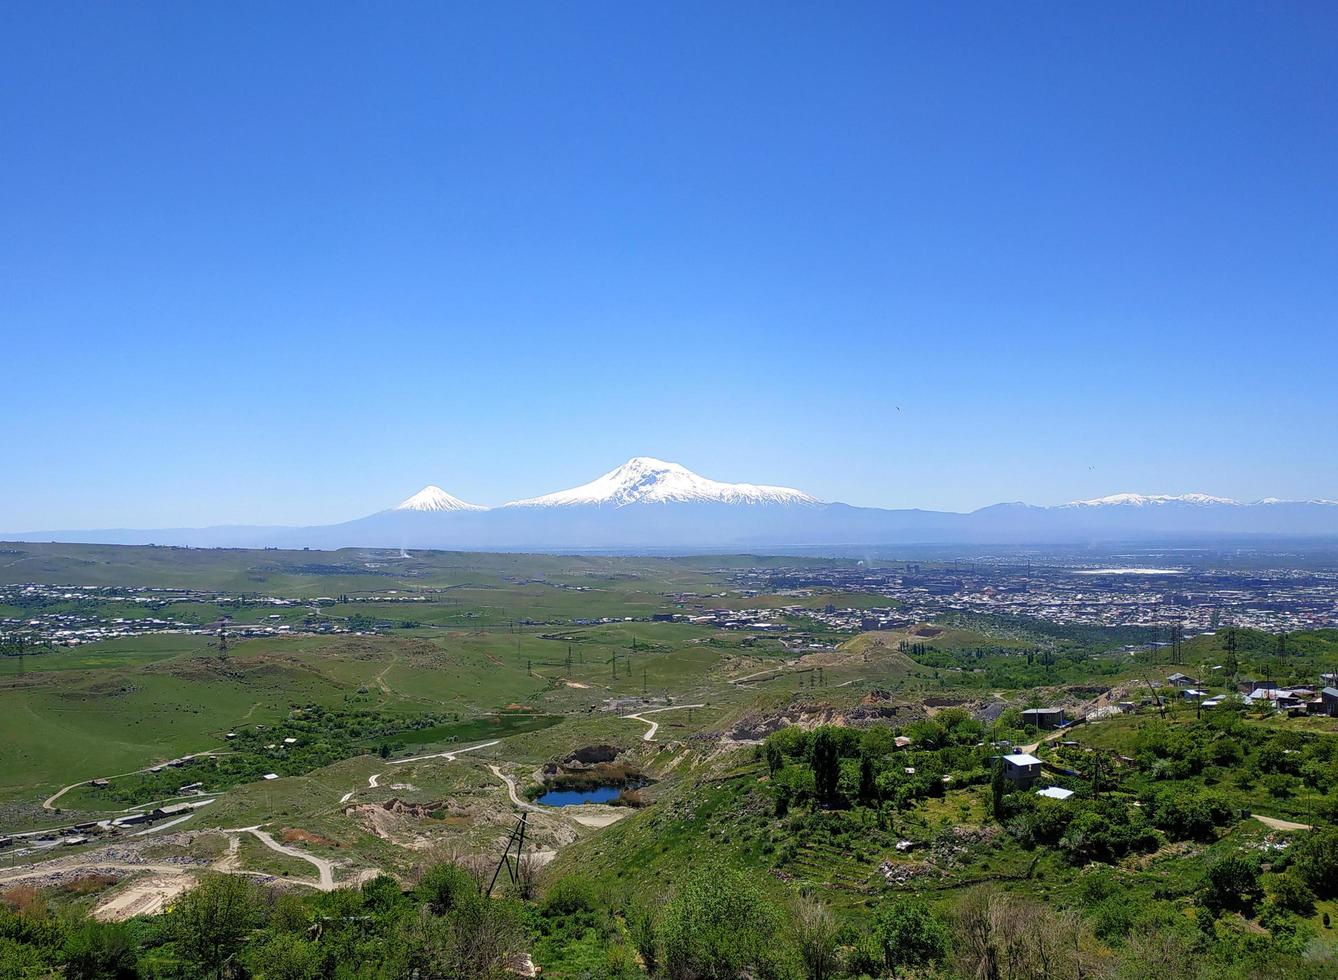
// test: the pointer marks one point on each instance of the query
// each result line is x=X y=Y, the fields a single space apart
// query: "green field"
x=392 y=727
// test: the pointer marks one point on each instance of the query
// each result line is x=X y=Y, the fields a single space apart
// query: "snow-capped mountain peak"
x=1153 y=500
x=646 y=480
x=434 y=498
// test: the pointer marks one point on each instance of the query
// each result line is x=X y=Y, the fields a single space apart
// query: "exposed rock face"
x=396 y=805
x=591 y=755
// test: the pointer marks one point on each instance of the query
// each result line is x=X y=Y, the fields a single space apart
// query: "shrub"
x=569 y=896
x=815 y=935
x=1291 y=894
x=446 y=887
x=211 y=921
x=718 y=926
x=100 y=951
x=910 y=934
x=1231 y=883
x=1316 y=860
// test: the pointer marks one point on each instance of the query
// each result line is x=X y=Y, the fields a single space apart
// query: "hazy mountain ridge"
x=656 y=505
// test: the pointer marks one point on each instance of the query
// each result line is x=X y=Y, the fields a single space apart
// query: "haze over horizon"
x=291 y=267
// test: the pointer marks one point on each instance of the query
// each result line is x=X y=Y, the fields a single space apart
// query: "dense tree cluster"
x=838 y=767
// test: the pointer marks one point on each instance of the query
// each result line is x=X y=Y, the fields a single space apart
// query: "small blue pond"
x=570 y=797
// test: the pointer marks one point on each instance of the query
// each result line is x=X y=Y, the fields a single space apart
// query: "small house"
x=1182 y=680
x=1022 y=768
x=1249 y=685
x=1055 y=792
x=1043 y=717
x=1329 y=701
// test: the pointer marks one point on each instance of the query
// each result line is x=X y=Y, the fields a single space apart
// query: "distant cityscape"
x=1194 y=600
x=1197 y=600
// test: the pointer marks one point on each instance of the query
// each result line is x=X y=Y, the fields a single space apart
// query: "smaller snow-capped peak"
x=646 y=480
x=1317 y=502
x=434 y=498
x=1154 y=500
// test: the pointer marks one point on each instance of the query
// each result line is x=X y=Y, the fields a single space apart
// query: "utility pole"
x=518 y=839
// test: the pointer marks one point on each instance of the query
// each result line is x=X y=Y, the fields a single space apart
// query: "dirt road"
x=655 y=725
x=50 y=802
x=1277 y=824
x=511 y=791
x=324 y=867
x=448 y=756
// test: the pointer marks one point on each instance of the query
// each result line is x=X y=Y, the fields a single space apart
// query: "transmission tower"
x=516 y=841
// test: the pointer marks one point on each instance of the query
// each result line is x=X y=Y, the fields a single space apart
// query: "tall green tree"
x=910 y=935
x=210 y=922
x=826 y=763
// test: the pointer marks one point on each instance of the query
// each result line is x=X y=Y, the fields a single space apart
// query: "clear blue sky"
x=289 y=265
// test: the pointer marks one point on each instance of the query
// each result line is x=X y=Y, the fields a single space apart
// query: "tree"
x=910 y=934
x=997 y=790
x=447 y=887
x=1291 y=894
x=717 y=927
x=100 y=951
x=1316 y=860
x=868 y=789
x=1231 y=883
x=815 y=934
x=826 y=763
x=210 y=922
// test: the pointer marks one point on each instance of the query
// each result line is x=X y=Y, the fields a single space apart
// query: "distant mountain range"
x=650 y=504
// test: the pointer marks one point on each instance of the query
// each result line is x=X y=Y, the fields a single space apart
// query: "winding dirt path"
x=324 y=867
x=448 y=756
x=511 y=791
x=1277 y=824
x=655 y=725
x=50 y=802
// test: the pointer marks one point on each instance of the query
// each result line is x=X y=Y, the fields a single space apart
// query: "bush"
x=1184 y=814
x=641 y=929
x=719 y=926
x=284 y=957
x=211 y=921
x=1231 y=883
x=1291 y=894
x=1316 y=860
x=569 y=896
x=815 y=935
x=100 y=951
x=446 y=887
x=910 y=934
